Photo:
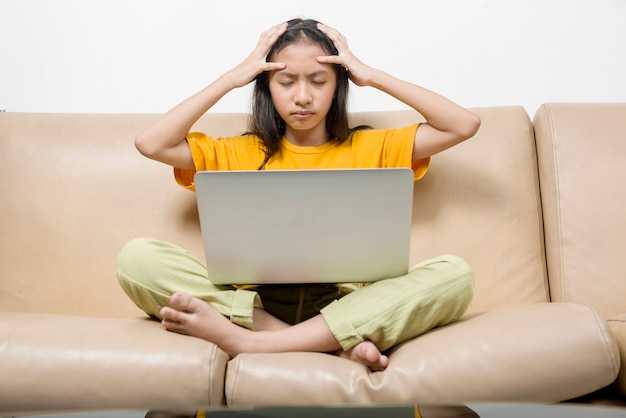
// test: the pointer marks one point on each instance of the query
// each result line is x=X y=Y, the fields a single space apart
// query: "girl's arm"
x=447 y=123
x=165 y=141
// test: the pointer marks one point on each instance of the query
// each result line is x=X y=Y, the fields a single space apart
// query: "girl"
x=301 y=70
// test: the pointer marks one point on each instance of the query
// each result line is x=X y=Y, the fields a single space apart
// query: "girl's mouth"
x=302 y=114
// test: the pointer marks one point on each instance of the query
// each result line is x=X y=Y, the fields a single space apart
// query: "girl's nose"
x=302 y=96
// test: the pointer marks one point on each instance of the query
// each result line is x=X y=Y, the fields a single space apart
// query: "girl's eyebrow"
x=312 y=74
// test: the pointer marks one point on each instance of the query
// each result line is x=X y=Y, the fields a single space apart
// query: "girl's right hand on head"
x=256 y=62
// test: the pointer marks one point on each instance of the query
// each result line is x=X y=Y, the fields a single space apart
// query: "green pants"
x=434 y=293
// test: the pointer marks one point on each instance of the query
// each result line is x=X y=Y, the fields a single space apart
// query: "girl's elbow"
x=471 y=126
x=144 y=146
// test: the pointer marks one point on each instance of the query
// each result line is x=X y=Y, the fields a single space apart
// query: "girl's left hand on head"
x=359 y=73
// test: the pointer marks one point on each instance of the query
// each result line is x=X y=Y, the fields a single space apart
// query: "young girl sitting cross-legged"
x=301 y=71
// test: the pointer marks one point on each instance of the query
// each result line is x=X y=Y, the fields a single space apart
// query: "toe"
x=169 y=315
x=182 y=302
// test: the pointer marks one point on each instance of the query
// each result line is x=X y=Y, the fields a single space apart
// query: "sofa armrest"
x=54 y=362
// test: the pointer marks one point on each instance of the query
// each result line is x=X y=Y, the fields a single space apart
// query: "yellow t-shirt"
x=364 y=149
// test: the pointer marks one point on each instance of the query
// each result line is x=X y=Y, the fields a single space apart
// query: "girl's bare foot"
x=191 y=316
x=366 y=353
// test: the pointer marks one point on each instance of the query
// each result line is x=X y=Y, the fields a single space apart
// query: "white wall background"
x=144 y=56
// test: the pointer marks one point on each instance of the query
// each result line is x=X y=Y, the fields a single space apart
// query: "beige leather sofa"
x=537 y=208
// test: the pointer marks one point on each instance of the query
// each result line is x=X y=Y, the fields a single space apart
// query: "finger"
x=274 y=66
x=326 y=29
x=331 y=59
x=344 y=55
x=276 y=28
x=332 y=33
x=268 y=39
x=272 y=34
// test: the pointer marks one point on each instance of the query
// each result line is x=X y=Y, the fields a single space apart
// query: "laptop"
x=305 y=226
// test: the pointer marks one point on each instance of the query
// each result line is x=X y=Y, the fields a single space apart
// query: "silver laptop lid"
x=305 y=226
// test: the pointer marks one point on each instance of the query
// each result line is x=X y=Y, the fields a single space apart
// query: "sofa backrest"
x=76 y=190
x=480 y=200
x=582 y=160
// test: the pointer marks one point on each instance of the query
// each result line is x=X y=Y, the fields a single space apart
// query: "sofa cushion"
x=56 y=362
x=526 y=353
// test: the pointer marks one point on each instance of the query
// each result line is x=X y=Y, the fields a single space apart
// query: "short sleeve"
x=399 y=145
x=209 y=153
x=198 y=146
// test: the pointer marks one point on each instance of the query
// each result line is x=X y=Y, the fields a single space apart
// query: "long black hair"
x=265 y=121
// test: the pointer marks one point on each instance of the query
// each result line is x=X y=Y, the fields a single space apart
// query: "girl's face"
x=303 y=92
